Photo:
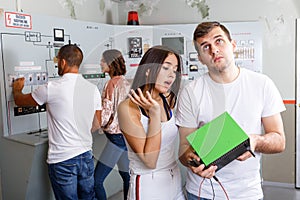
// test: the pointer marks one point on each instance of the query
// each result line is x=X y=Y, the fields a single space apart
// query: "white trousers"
x=159 y=185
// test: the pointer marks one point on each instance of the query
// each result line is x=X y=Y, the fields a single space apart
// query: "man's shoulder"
x=85 y=81
x=256 y=77
x=196 y=82
x=73 y=80
x=55 y=81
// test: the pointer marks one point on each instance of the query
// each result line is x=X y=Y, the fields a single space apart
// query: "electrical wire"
x=200 y=186
x=227 y=197
x=213 y=190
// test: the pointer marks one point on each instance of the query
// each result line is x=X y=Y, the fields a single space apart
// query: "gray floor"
x=281 y=193
x=271 y=192
x=118 y=196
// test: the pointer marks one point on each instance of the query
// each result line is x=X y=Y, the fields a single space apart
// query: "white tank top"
x=166 y=158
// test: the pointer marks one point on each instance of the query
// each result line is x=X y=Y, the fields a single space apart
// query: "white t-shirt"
x=247 y=99
x=71 y=102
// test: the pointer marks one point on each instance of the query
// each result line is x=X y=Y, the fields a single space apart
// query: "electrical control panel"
x=29 y=48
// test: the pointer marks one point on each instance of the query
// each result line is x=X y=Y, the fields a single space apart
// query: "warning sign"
x=18 y=20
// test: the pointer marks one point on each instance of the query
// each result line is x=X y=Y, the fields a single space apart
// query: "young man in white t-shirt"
x=73 y=111
x=250 y=98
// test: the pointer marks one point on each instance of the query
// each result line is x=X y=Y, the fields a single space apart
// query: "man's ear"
x=233 y=43
x=63 y=62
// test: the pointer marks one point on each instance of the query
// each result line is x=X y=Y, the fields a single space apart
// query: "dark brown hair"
x=115 y=61
x=71 y=53
x=204 y=28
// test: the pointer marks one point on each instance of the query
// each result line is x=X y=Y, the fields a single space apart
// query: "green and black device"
x=219 y=142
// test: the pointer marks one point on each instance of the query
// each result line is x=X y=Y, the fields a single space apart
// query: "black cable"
x=216 y=178
x=213 y=190
x=221 y=187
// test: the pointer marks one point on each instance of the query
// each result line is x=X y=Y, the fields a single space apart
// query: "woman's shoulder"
x=128 y=106
x=110 y=82
x=128 y=110
x=124 y=104
x=118 y=82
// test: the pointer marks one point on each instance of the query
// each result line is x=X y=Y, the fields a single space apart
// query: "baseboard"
x=278 y=184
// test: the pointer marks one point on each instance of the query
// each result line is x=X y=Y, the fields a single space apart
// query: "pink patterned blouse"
x=115 y=90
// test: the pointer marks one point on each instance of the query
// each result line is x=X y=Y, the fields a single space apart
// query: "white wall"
x=86 y=10
x=8 y=4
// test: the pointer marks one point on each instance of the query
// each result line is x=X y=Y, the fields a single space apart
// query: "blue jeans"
x=190 y=196
x=115 y=152
x=73 y=178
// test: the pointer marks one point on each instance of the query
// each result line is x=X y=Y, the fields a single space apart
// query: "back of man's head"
x=72 y=54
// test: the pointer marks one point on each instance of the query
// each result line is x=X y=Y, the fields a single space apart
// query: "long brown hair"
x=149 y=67
x=115 y=61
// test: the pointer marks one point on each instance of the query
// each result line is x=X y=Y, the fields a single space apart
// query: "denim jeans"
x=115 y=152
x=73 y=178
x=190 y=196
